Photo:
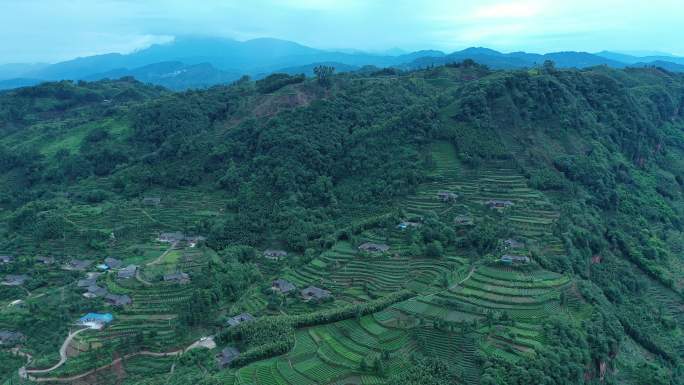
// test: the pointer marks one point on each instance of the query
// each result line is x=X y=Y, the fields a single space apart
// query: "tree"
x=324 y=74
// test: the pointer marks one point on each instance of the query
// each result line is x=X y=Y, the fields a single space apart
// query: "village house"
x=118 y=300
x=14 y=280
x=240 y=318
x=77 y=264
x=511 y=259
x=513 y=244
x=406 y=224
x=463 y=220
x=6 y=259
x=10 y=338
x=370 y=247
x=283 y=286
x=87 y=282
x=113 y=263
x=151 y=201
x=313 y=292
x=498 y=204
x=95 y=291
x=127 y=272
x=446 y=196
x=177 y=236
x=96 y=320
x=45 y=260
x=227 y=356
x=274 y=254
x=172 y=237
x=181 y=278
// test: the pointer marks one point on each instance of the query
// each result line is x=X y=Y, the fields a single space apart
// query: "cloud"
x=50 y=30
x=513 y=9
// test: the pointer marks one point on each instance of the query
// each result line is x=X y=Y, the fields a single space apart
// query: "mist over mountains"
x=199 y=62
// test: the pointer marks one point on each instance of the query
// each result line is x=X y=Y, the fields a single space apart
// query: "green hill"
x=533 y=221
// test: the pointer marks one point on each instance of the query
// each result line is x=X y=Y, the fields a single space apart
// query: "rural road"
x=207 y=342
x=62 y=353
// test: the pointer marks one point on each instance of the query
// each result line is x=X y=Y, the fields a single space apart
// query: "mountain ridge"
x=259 y=57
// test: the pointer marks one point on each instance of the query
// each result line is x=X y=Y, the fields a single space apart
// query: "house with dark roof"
x=283 y=286
x=14 y=280
x=514 y=259
x=171 y=237
x=498 y=203
x=6 y=259
x=10 y=338
x=227 y=356
x=113 y=263
x=127 y=272
x=240 y=318
x=118 y=300
x=463 y=220
x=513 y=244
x=446 y=196
x=370 y=247
x=151 y=201
x=95 y=291
x=178 y=277
x=274 y=254
x=45 y=260
x=77 y=264
x=313 y=292
x=86 y=282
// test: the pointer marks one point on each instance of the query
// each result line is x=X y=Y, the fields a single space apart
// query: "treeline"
x=274 y=335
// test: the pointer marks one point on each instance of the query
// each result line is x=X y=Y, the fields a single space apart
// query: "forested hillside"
x=469 y=226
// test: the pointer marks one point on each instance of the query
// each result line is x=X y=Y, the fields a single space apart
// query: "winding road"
x=62 y=354
x=205 y=342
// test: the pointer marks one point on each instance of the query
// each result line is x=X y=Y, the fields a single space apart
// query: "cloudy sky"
x=53 y=30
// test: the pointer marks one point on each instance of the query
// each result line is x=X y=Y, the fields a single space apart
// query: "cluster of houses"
x=229 y=354
x=95 y=291
x=512 y=259
x=176 y=237
x=310 y=293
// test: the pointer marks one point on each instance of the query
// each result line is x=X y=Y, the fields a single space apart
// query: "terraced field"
x=329 y=353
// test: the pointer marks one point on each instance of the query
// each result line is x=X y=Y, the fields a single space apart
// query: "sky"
x=52 y=30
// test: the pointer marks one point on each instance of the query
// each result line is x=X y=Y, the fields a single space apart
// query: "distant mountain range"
x=192 y=62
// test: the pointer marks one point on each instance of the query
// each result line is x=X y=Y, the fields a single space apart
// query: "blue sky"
x=53 y=30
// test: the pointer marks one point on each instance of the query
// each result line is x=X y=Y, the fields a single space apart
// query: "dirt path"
x=140 y=279
x=161 y=257
x=207 y=343
x=62 y=353
x=103 y=367
x=467 y=277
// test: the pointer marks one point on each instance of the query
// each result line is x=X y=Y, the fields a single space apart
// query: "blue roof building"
x=103 y=318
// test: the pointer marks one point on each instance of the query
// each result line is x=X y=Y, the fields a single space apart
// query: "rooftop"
x=374 y=247
x=315 y=292
x=127 y=272
x=240 y=318
x=283 y=286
